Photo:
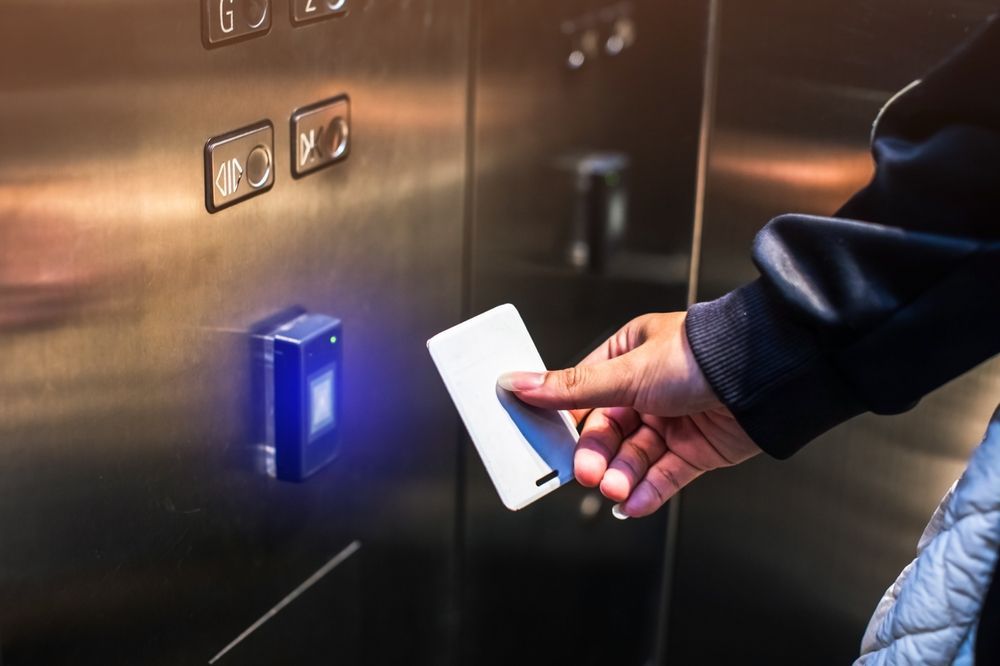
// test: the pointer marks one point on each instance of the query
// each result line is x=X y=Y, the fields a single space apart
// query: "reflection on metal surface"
x=546 y=88
x=600 y=209
x=705 y=123
x=811 y=543
x=39 y=288
x=130 y=511
x=605 y=29
x=806 y=174
x=334 y=562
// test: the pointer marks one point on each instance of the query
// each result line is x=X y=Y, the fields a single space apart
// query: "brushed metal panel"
x=786 y=561
x=135 y=529
x=562 y=581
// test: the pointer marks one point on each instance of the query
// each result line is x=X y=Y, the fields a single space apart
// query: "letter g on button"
x=227 y=16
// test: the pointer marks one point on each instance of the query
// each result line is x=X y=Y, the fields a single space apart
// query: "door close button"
x=320 y=135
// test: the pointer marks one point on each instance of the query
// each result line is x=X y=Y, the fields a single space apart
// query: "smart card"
x=527 y=451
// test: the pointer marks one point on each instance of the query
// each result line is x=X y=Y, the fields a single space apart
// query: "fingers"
x=602 y=435
x=634 y=461
x=597 y=355
x=667 y=476
x=610 y=383
x=620 y=343
x=636 y=455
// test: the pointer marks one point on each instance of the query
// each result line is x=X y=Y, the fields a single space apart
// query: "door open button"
x=239 y=165
x=259 y=166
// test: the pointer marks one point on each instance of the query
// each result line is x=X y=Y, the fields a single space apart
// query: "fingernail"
x=618 y=512
x=521 y=381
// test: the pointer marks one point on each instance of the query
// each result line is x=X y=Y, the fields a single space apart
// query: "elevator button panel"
x=225 y=21
x=320 y=135
x=239 y=165
x=305 y=11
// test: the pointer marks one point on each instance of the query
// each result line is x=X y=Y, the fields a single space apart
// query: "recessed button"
x=239 y=165
x=337 y=136
x=321 y=135
x=225 y=21
x=305 y=11
x=259 y=167
x=256 y=13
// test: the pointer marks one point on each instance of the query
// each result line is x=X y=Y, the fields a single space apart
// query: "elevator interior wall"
x=139 y=523
x=585 y=146
x=784 y=562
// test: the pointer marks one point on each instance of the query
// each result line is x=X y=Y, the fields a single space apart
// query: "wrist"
x=701 y=395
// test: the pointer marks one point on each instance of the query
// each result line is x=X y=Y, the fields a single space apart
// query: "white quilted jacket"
x=929 y=616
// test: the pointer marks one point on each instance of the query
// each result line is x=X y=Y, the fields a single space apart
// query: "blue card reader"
x=302 y=379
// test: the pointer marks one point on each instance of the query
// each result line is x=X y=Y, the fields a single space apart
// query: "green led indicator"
x=333 y=339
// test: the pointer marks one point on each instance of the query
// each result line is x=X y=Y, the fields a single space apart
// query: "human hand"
x=651 y=423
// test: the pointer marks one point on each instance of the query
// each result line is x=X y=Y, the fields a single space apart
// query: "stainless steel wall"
x=562 y=581
x=784 y=562
x=134 y=528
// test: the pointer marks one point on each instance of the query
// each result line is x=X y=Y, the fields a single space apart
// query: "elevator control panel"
x=239 y=165
x=320 y=135
x=299 y=392
x=226 y=21
x=305 y=11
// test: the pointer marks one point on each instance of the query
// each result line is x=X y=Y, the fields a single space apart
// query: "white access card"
x=527 y=451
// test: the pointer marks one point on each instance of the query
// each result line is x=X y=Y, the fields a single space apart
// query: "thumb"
x=610 y=383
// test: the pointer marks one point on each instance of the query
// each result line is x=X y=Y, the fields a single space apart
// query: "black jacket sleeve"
x=895 y=295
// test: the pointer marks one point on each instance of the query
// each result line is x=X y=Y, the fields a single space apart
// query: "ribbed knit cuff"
x=768 y=370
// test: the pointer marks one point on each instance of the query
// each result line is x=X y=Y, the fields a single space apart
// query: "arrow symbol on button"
x=228 y=179
x=308 y=147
